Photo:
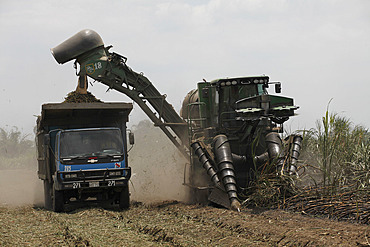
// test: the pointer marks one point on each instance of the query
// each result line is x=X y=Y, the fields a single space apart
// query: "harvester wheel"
x=58 y=200
x=47 y=195
x=124 y=200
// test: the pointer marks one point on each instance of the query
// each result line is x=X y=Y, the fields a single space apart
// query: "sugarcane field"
x=162 y=215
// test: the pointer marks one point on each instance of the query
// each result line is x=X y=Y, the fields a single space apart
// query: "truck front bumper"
x=92 y=179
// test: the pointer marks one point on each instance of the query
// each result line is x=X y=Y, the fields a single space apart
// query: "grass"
x=334 y=161
x=340 y=151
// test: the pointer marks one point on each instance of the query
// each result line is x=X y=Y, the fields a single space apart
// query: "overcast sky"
x=319 y=50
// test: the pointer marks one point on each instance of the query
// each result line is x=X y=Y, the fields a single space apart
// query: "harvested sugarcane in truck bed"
x=75 y=97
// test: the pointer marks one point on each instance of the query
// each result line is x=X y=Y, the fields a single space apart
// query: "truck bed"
x=82 y=114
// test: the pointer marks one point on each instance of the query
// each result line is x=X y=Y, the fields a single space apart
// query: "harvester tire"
x=124 y=200
x=47 y=195
x=58 y=200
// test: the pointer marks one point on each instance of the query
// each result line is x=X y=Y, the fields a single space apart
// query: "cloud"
x=318 y=49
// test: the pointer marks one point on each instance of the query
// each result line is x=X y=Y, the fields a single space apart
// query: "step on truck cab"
x=82 y=153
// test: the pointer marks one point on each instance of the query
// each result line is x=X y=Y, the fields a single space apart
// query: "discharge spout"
x=83 y=41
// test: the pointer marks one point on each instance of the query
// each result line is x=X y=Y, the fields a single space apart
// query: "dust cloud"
x=157 y=166
x=19 y=183
x=20 y=187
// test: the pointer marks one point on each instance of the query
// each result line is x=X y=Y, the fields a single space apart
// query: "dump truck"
x=228 y=128
x=82 y=153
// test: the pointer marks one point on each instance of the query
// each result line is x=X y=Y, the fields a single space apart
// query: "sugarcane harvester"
x=227 y=127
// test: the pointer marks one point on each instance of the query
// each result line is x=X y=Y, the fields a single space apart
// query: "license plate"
x=94 y=184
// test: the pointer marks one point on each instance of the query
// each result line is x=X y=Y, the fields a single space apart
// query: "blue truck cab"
x=82 y=153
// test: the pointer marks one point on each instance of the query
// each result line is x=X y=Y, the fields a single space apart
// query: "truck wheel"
x=58 y=200
x=124 y=200
x=47 y=195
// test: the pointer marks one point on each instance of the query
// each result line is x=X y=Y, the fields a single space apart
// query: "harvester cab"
x=227 y=127
x=245 y=98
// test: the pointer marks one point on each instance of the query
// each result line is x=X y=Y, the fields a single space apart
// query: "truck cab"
x=82 y=153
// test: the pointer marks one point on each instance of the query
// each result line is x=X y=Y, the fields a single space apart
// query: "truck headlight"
x=115 y=173
x=70 y=175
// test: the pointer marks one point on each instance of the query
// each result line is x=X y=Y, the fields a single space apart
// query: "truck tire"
x=47 y=195
x=58 y=200
x=124 y=200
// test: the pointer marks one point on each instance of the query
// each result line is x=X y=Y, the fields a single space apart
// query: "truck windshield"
x=85 y=143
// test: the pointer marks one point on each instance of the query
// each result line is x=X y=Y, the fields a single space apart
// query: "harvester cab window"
x=228 y=96
x=246 y=91
x=232 y=94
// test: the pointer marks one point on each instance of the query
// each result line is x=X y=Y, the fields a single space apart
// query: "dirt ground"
x=157 y=217
x=23 y=222
x=172 y=224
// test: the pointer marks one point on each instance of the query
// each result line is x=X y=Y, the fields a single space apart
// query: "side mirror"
x=131 y=138
x=278 y=87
